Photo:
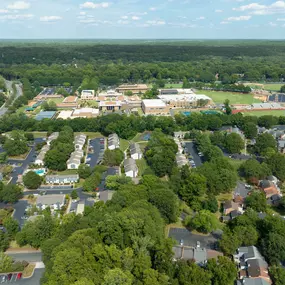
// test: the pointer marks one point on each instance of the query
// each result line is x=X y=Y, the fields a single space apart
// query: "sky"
x=142 y=19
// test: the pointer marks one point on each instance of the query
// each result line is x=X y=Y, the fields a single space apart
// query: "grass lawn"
x=91 y=135
x=137 y=137
x=173 y=85
x=65 y=172
x=56 y=100
x=235 y=163
x=273 y=87
x=263 y=113
x=235 y=98
x=28 y=271
x=124 y=144
x=21 y=109
x=224 y=197
x=143 y=145
x=20 y=157
x=39 y=134
x=142 y=166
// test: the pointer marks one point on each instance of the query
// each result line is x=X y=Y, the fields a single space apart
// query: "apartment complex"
x=134 y=88
x=154 y=107
x=75 y=158
x=110 y=106
x=88 y=95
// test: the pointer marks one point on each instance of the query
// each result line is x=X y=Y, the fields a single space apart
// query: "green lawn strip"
x=124 y=144
x=142 y=166
x=264 y=113
x=273 y=87
x=235 y=98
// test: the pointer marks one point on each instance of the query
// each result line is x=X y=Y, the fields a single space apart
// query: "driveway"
x=190 y=239
x=98 y=152
x=190 y=146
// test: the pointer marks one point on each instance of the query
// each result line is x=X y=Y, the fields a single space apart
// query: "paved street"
x=98 y=151
x=28 y=256
x=190 y=146
x=24 y=163
x=19 y=92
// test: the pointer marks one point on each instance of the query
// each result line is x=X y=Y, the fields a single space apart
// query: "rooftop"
x=153 y=103
x=70 y=99
x=106 y=195
x=183 y=97
x=45 y=115
x=50 y=199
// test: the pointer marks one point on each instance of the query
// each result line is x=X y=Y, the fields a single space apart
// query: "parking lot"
x=96 y=151
x=34 y=280
x=190 y=239
x=48 y=91
x=191 y=149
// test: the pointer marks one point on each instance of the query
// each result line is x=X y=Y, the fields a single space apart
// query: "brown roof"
x=231 y=205
x=70 y=99
x=213 y=254
x=238 y=199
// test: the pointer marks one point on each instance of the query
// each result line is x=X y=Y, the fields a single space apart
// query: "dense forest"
x=54 y=63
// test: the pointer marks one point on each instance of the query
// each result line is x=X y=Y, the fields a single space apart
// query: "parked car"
x=3 y=278
x=19 y=275
x=9 y=276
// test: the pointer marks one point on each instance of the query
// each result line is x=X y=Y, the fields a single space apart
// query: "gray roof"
x=113 y=139
x=106 y=195
x=50 y=199
x=265 y=184
x=254 y=281
x=130 y=165
x=135 y=148
x=62 y=177
x=188 y=253
x=250 y=252
x=281 y=143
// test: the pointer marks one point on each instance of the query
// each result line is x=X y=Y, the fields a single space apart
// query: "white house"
x=79 y=141
x=62 y=179
x=55 y=202
x=113 y=141
x=75 y=159
x=135 y=151
x=131 y=169
x=40 y=158
x=52 y=137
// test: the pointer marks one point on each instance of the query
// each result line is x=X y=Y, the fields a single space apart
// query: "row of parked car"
x=11 y=277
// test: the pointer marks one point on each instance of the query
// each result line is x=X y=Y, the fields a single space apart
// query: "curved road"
x=19 y=92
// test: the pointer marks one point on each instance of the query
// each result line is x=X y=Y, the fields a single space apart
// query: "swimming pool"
x=187 y=113
x=40 y=171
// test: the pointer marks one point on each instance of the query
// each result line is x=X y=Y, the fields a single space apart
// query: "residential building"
x=253 y=269
x=230 y=206
x=110 y=106
x=88 y=95
x=62 y=179
x=79 y=141
x=75 y=159
x=64 y=115
x=106 y=195
x=135 y=151
x=269 y=188
x=177 y=91
x=179 y=135
x=113 y=141
x=131 y=169
x=55 y=202
x=230 y=130
x=154 y=107
x=134 y=88
x=40 y=158
x=197 y=254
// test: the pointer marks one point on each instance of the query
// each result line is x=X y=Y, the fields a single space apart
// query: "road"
x=19 y=92
x=24 y=163
x=190 y=146
x=28 y=256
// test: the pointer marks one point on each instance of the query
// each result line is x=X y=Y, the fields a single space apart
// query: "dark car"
x=9 y=276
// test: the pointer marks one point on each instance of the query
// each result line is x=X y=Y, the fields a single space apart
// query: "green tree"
x=204 y=222
x=211 y=204
x=263 y=142
x=118 y=277
x=5 y=263
x=114 y=182
x=229 y=242
x=91 y=183
x=32 y=180
x=84 y=171
x=277 y=165
x=250 y=130
x=11 y=225
x=256 y=201
x=277 y=273
x=223 y=270
x=3 y=157
x=228 y=108
x=4 y=241
x=234 y=143
x=74 y=195
x=16 y=143
x=113 y=157
x=252 y=168
x=282 y=89
x=10 y=193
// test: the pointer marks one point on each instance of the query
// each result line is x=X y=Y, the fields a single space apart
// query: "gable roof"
x=135 y=148
x=130 y=165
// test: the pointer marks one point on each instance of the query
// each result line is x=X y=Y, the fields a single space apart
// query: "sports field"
x=273 y=87
x=264 y=113
x=235 y=98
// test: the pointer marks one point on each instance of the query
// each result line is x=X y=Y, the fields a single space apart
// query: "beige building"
x=135 y=88
x=110 y=95
x=78 y=113
x=154 y=107
x=110 y=106
x=88 y=95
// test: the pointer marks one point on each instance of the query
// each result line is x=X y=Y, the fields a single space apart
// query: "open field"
x=235 y=98
x=56 y=100
x=264 y=113
x=124 y=144
x=273 y=87
x=91 y=135
x=173 y=85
